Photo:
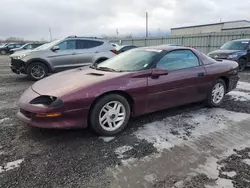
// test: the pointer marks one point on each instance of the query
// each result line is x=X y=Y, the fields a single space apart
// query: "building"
x=210 y=28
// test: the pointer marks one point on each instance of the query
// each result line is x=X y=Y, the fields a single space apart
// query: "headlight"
x=48 y=101
x=21 y=56
x=232 y=56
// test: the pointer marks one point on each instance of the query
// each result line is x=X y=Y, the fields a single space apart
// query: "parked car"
x=125 y=48
x=236 y=50
x=6 y=49
x=3 y=44
x=27 y=46
x=134 y=83
x=59 y=55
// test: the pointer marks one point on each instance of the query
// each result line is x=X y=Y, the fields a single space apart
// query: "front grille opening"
x=26 y=113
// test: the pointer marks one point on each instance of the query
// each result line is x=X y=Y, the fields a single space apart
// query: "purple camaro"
x=137 y=82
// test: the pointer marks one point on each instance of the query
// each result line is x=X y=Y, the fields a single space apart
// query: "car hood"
x=225 y=52
x=21 y=52
x=68 y=81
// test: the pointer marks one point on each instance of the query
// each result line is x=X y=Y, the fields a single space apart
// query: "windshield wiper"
x=105 y=69
x=93 y=66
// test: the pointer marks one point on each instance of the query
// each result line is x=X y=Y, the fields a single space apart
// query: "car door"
x=86 y=50
x=185 y=83
x=64 y=58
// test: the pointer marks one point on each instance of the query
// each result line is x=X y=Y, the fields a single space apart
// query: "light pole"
x=146 y=24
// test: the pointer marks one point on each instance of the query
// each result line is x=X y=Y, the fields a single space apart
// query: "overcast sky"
x=31 y=19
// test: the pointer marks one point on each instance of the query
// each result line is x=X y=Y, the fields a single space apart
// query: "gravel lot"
x=189 y=146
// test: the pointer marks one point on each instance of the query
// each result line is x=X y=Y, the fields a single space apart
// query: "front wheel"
x=37 y=71
x=3 y=52
x=110 y=115
x=216 y=96
x=242 y=64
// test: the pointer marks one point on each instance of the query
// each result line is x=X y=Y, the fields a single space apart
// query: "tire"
x=242 y=64
x=210 y=101
x=110 y=116
x=3 y=52
x=41 y=67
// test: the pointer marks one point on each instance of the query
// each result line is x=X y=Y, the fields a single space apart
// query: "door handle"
x=201 y=74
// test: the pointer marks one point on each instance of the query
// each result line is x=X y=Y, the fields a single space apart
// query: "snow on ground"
x=121 y=150
x=239 y=95
x=3 y=120
x=175 y=130
x=243 y=86
x=11 y=165
x=247 y=161
x=107 y=139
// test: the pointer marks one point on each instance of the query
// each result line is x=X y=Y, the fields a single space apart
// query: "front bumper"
x=17 y=66
x=70 y=118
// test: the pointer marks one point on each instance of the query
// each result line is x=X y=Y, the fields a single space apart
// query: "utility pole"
x=146 y=24
x=117 y=32
x=50 y=34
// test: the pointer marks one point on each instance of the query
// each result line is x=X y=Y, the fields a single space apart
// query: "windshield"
x=130 y=61
x=235 y=45
x=24 y=45
x=47 y=45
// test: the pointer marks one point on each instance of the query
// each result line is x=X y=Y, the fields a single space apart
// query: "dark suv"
x=236 y=50
x=27 y=46
x=6 y=49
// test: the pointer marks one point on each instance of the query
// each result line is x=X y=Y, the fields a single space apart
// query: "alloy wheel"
x=218 y=93
x=37 y=72
x=112 y=116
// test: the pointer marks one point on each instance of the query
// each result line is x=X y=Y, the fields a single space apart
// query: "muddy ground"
x=189 y=146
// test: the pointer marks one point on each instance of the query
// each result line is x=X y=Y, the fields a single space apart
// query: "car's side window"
x=86 y=44
x=67 y=45
x=178 y=59
x=18 y=45
x=81 y=44
x=11 y=46
x=28 y=46
x=93 y=43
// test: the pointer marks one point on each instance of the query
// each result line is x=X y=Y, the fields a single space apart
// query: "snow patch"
x=175 y=130
x=11 y=165
x=150 y=178
x=239 y=96
x=230 y=174
x=243 y=86
x=3 y=120
x=211 y=169
x=107 y=139
x=121 y=150
x=247 y=161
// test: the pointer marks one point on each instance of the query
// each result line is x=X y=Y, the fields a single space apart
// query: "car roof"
x=241 y=40
x=168 y=48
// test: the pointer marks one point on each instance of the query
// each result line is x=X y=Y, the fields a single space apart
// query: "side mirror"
x=55 y=48
x=159 y=72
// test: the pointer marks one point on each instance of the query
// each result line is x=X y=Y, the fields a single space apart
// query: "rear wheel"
x=37 y=71
x=3 y=52
x=216 y=96
x=242 y=64
x=110 y=115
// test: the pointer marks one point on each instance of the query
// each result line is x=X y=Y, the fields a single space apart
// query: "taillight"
x=114 y=51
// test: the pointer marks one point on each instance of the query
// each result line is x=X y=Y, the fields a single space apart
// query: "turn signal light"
x=48 y=115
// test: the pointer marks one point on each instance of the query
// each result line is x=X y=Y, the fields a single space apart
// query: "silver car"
x=59 y=55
